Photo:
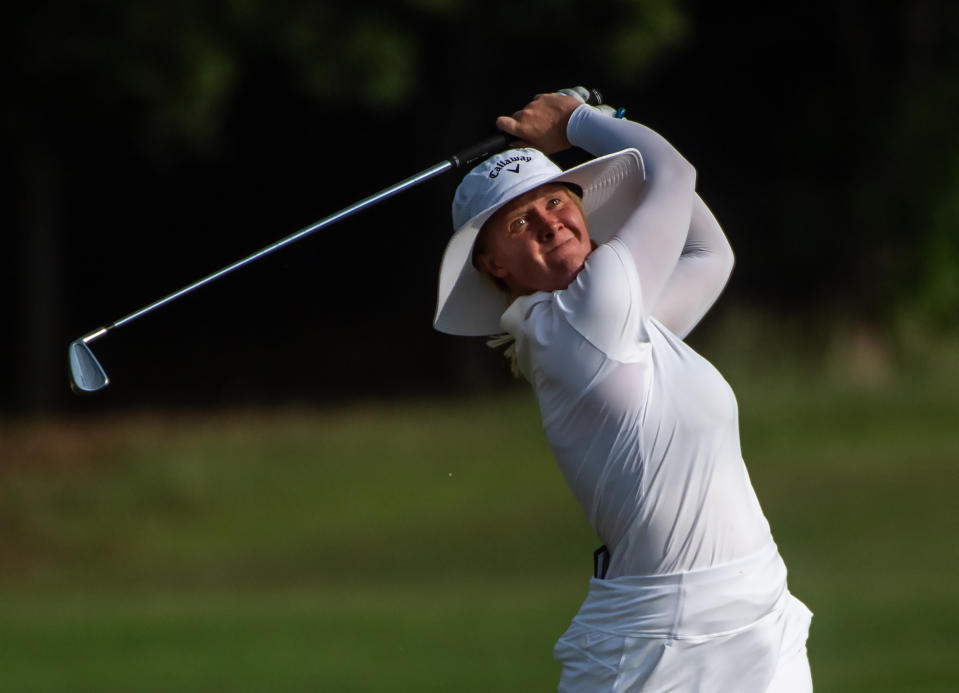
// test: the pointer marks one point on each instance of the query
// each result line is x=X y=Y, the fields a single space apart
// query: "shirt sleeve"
x=656 y=230
x=604 y=304
x=699 y=276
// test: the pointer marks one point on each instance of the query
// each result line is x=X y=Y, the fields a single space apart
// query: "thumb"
x=508 y=125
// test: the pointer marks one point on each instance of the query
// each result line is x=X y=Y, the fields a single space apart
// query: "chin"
x=564 y=279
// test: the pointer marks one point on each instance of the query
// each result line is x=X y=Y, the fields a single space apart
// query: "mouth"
x=559 y=245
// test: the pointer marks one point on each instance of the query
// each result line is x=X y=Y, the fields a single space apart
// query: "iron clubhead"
x=86 y=373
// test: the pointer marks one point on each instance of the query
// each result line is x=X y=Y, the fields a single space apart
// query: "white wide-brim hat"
x=469 y=302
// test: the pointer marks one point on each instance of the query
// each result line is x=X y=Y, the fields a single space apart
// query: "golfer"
x=597 y=273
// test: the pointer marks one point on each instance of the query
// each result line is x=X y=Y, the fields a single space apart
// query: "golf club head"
x=86 y=373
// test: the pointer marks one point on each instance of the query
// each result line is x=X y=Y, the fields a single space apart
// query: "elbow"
x=719 y=272
x=728 y=261
x=722 y=262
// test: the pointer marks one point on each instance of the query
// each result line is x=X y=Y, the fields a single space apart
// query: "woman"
x=598 y=273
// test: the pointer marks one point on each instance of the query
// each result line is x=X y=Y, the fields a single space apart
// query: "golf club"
x=86 y=373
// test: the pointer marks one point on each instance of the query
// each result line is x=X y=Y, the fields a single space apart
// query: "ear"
x=489 y=265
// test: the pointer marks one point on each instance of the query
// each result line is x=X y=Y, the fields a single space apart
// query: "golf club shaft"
x=282 y=243
x=481 y=149
x=86 y=373
x=488 y=146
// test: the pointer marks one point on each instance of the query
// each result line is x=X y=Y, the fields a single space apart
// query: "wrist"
x=575 y=122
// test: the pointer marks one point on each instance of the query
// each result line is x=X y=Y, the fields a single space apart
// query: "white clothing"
x=646 y=432
x=708 y=631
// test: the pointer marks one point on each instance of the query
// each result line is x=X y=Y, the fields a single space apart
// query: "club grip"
x=500 y=141
x=491 y=145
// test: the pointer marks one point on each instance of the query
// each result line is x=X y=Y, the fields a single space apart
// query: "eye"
x=517 y=224
x=554 y=202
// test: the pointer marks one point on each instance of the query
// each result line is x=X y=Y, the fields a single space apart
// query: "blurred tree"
x=925 y=116
x=896 y=103
x=148 y=79
x=837 y=151
x=173 y=66
x=824 y=132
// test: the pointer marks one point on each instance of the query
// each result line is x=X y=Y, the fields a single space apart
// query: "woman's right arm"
x=656 y=231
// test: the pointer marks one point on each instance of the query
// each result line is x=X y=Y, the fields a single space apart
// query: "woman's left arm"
x=699 y=276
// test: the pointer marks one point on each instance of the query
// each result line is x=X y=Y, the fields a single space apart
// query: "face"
x=537 y=242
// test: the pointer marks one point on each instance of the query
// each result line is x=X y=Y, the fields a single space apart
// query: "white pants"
x=731 y=628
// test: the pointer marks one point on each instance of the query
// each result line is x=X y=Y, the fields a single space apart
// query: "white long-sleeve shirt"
x=644 y=430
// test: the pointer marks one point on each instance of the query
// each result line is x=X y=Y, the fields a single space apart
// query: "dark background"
x=149 y=144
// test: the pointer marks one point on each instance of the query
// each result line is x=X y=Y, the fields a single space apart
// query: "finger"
x=520 y=120
x=508 y=125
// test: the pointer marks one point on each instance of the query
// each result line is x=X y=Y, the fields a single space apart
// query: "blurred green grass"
x=432 y=546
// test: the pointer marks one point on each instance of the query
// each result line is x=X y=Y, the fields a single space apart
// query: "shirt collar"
x=513 y=318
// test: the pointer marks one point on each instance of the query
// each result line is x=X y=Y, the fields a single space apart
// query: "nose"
x=546 y=224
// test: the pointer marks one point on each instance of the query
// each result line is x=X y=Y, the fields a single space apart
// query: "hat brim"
x=469 y=303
